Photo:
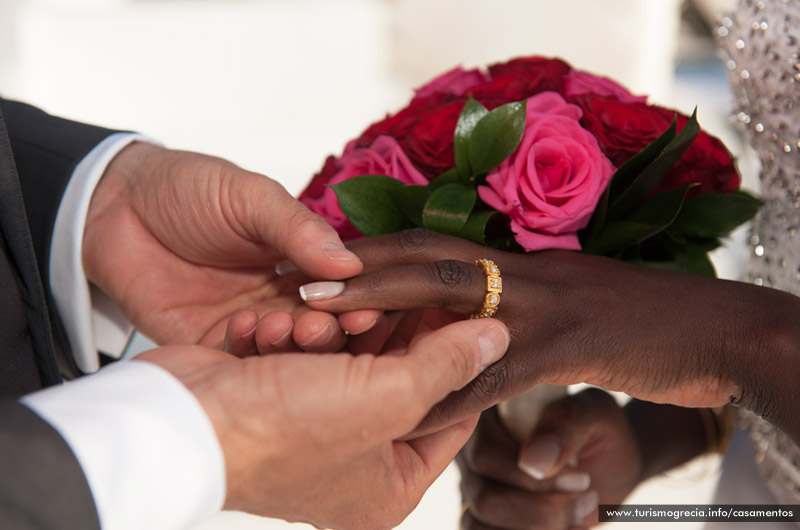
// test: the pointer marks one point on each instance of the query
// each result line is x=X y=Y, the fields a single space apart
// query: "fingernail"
x=252 y=330
x=320 y=290
x=585 y=505
x=323 y=337
x=279 y=341
x=335 y=251
x=538 y=458
x=493 y=342
x=573 y=482
x=285 y=267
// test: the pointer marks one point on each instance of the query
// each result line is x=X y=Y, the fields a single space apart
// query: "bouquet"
x=533 y=154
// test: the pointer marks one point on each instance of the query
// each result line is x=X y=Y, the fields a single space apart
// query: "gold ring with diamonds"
x=494 y=286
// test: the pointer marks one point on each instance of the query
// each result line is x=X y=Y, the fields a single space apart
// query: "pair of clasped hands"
x=341 y=409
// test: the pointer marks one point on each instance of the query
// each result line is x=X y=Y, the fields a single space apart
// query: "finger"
x=274 y=333
x=563 y=430
x=298 y=234
x=440 y=362
x=373 y=340
x=493 y=453
x=411 y=247
x=426 y=458
x=240 y=334
x=358 y=322
x=504 y=506
x=469 y=522
x=318 y=332
x=454 y=286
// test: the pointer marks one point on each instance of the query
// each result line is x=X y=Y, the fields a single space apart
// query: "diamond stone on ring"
x=494 y=286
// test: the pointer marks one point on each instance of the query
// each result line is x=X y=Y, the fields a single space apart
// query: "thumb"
x=299 y=235
x=563 y=430
x=438 y=363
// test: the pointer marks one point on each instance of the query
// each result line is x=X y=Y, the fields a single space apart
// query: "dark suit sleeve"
x=46 y=150
x=42 y=486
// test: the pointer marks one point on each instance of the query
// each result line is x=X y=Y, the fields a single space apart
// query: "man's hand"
x=180 y=241
x=317 y=438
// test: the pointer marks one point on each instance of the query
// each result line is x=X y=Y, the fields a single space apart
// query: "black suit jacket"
x=41 y=484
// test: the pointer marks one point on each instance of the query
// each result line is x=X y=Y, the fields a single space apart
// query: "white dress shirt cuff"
x=91 y=320
x=148 y=450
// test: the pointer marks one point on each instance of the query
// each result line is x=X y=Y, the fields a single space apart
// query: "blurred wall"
x=276 y=85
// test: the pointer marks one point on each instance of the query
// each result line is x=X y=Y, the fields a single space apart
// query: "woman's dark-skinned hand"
x=582 y=450
x=660 y=336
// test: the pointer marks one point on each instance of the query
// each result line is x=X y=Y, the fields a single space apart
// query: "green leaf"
x=655 y=171
x=716 y=214
x=448 y=208
x=598 y=220
x=496 y=136
x=652 y=217
x=451 y=175
x=470 y=116
x=367 y=202
x=475 y=227
x=632 y=254
x=411 y=200
x=628 y=172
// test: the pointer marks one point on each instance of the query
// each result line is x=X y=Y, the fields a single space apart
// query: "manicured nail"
x=493 y=342
x=320 y=290
x=538 y=458
x=573 y=481
x=285 y=267
x=335 y=251
x=585 y=505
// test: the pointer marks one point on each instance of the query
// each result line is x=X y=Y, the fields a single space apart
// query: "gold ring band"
x=494 y=286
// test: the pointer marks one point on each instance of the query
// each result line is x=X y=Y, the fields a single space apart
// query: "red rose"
x=540 y=73
x=624 y=128
x=316 y=187
x=430 y=143
x=399 y=125
x=520 y=79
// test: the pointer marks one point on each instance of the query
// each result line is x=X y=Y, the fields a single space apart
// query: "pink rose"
x=383 y=157
x=578 y=83
x=455 y=82
x=550 y=185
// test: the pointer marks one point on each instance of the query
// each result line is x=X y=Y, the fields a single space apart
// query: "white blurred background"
x=277 y=85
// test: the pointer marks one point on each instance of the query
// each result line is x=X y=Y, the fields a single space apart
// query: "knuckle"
x=450 y=273
x=456 y=282
x=415 y=240
x=489 y=387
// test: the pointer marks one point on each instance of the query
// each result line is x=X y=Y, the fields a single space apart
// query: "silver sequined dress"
x=761 y=45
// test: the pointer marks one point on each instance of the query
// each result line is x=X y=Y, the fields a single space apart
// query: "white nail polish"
x=573 y=481
x=320 y=290
x=585 y=505
x=538 y=458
